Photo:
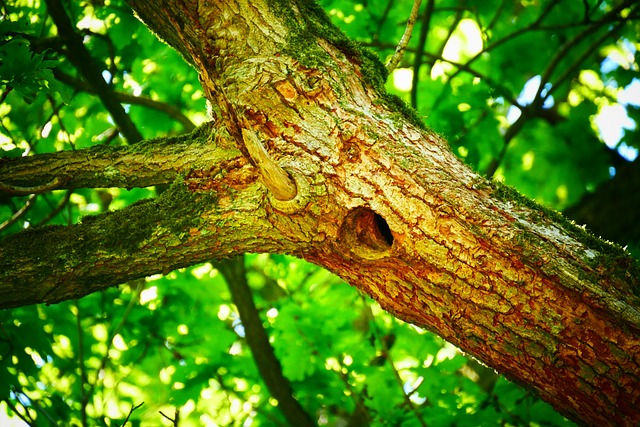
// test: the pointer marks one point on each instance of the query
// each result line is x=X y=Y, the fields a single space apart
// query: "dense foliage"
x=473 y=70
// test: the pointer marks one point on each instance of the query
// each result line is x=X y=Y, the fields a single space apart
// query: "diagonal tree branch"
x=425 y=26
x=406 y=37
x=128 y=98
x=86 y=65
x=235 y=275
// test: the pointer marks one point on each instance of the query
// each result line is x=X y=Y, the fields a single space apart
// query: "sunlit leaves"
x=28 y=72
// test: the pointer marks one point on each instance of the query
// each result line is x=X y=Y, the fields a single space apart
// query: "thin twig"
x=23 y=191
x=538 y=101
x=16 y=216
x=36 y=404
x=567 y=47
x=14 y=409
x=406 y=396
x=176 y=418
x=56 y=210
x=125 y=316
x=133 y=408
x=406 y=37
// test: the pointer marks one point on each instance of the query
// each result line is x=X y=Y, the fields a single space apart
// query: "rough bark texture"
x=380 y=201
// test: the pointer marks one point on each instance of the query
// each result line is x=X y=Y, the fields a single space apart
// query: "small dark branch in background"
x=422 y=42
x=513 y=130
x=386 y=343
x=5 y=93
x=458 y=17
x=82 y=60
x=605 y=23
x=534 y=26
x=175 y=420
x=536 y=106
x=133 y=408
x=135 y=297
x=127 y=98
x=112 y=52
x=55 y=210
x=16 y=216
x=32 y=403
x=383 y=19
x=360 y=415
x=497 y=15
x=406 y=37
x=28 y=421
x=407 y=397
x=257 y=408
x=499 y=88
x=257 y=339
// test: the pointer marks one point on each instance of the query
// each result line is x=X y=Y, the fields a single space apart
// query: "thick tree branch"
x=154 y=162
x=186 y=225
x=434 y=243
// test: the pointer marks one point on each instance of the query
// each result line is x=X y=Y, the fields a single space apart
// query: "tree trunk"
x=307 y=156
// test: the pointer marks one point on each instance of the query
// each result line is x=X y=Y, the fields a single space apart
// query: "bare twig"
x=140 y=284
x=84 y=397
x=406 y=37
x=34 y=403
x=57 y=209
x=22 y=191
x=16 y=216
x=133 y=408
x=176 y=418
x=26 y=418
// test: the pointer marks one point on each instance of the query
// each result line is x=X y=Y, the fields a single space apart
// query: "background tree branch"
x=257 y=339
x=83 y=61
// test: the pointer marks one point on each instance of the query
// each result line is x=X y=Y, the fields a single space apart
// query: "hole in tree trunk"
x=383 y=228
x=367 y=233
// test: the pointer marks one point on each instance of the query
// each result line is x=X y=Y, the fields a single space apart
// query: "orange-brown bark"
x=384 y=204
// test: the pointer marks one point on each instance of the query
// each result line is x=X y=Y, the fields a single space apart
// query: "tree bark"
x=379 y=200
